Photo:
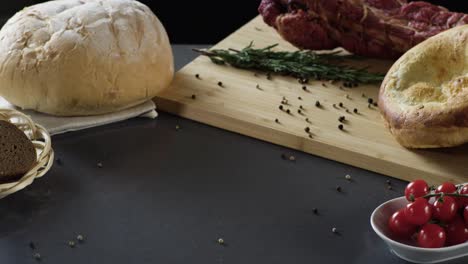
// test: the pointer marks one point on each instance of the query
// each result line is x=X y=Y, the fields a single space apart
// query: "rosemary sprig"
x=299 y=64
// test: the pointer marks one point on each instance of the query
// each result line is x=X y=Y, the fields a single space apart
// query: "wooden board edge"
x=313 y=147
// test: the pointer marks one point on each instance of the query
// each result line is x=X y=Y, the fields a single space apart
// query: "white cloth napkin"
x=58 y=125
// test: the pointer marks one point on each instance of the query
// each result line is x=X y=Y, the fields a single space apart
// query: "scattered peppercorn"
x=334 y=230
x=324 y=85
x=317 y=104
x=80 y=238
x=347 y=111
x=370 y=100
x=375 y=104
x=277 y=120
x=268 y=76
x=197 y=76
x=299 y=98
x=342 y=119
x=340 y=127
x=355 y=110
x=301 y=107
x=71 y=244
x=194 y=96
x=334 y=105
x=32 y=245
x=307 y=129
x=347 y=96
x=281 y=107
x=340 y=104
x=315 y=210
x=288 y=111
x=220 y=84
x=99 y=165
x=310 y=135
x=304 y=88
x=257 y=86
x=299 y=111
x=348 y=177
x=220 y=241
x=338 y=188
x=307 y=120
x=292 y=158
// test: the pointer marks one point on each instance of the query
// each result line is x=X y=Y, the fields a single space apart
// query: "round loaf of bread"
x=424 y=97
x=83 y=57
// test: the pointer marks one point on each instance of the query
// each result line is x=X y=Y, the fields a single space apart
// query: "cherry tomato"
x=431 y=236
x=416 y=189
x=445 y=208
x=418 y=212
x=462 y=202
x=465 y=215
x=399 y=226
x=446 y=187
x=457 y=232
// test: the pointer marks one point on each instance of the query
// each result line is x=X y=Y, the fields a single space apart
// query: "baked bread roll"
x=424 y=97
x=17 y=153
x=83 y=57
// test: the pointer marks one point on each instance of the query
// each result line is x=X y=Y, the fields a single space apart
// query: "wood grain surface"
x=248 y=103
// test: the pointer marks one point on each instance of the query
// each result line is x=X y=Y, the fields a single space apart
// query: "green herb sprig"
x=299 y=64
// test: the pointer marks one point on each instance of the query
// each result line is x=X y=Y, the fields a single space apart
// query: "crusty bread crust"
x=74 y=57
x=424 y=97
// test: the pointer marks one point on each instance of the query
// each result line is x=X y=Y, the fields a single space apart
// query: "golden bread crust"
x=424 y=97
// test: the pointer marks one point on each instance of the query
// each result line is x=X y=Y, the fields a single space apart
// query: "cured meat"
x=373 y=28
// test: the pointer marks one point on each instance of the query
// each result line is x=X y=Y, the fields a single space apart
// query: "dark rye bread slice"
x=17 y=153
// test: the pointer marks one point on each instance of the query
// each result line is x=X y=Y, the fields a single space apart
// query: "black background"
x=204 y=22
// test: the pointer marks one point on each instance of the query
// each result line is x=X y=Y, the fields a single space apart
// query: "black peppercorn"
x=315 y=210
x=307 y=120
x=370 y=100
x=220 y=84
x=288 y=111
x=268 y=76
x=299 y=98
x=281 y=107
x=375 y=104
x=340 y=104
x=307 y=129
x=317 y=103
x=99 y=165
x=304 y=88
x=342 y=118
x=324 y=85
x=340 y=127
x=32 y=245
x=299 y=111
x=301 y=107
x=194 y=96
x=338 y=188
x=277 y=120
x=197 y=76
x=355 y=110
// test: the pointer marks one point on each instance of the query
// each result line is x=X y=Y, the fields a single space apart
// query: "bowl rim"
x=406 y=246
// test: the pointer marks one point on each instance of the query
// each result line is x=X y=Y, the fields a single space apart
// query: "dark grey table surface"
x=165 y=196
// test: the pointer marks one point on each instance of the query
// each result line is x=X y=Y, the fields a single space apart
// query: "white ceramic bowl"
x=408 y=250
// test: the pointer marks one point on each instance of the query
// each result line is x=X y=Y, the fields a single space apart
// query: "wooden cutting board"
x=242 y=107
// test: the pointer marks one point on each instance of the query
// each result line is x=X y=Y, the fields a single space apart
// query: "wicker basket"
x=41 y=141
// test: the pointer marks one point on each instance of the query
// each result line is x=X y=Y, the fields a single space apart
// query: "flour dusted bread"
x=424 y=97
x=17 y=153
x=83 y=57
